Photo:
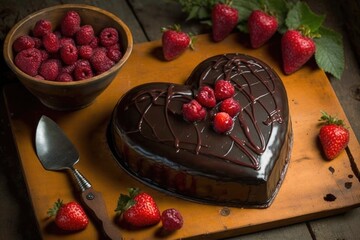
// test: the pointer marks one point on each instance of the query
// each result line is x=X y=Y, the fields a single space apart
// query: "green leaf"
x=245 y=8
x=196 y=9
x=300 y=14
x=329 y=53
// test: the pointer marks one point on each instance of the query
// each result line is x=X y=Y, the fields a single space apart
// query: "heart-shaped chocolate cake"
x=191 y=156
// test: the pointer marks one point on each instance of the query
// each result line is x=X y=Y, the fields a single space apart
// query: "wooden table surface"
x=145 y=18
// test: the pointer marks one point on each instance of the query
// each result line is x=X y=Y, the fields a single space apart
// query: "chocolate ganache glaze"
x=245 y=167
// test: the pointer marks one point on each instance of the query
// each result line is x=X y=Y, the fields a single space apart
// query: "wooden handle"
x=96 y=204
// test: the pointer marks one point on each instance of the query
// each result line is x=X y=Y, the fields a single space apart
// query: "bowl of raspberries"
x=67 y=55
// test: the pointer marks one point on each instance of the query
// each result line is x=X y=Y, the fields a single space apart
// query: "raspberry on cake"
x=193 y=111
x=206 y=97
x=230 y=106
x=238 y=160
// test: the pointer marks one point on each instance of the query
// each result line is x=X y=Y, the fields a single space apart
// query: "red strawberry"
x=175 y=42
x=171 y=219
x=296 y=49
x=334 y=137
x=138 y=209
x=193 y=111
x=223 y=123
x=69 y=216
x=224 y=20
x=261 y=27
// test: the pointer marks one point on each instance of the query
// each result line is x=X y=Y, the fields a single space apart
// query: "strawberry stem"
x=53 y=211
x=328 y=119
x=127 y=201
x=306 y=31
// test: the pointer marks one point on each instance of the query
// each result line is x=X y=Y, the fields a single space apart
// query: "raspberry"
x=223 y=123
x=51 y=43
x=38 y=42
x=44 y=55
x=223 y=89
x=85 y=51
x=171 y=219
x=114 y=54
x=42 y=28
x=22 y=43
x=85 y=35
x=193 y=111
x=58 y=34
x=206 y=97
x=82 y=70
x=69 y=54
x=66 y=40
x=230 y=106
x=116 y=46
x=100 y=62
x=94 y=42
x=109 y=36
x=64 y=77
x=29 y=61
x=70 y=24
x=69 y=68
x=50 y=69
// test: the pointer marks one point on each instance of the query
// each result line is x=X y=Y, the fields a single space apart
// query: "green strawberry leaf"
x=329 y=53
x=245 y=8
x=197 y=9
x=300 y=14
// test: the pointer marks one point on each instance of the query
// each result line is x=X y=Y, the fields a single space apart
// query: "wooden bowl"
x=76 y=94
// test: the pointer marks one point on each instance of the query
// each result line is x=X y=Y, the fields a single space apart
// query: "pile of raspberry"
x=219 y=98
x=71 y=52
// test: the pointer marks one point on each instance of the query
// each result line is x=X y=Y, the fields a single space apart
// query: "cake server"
x=56 y=152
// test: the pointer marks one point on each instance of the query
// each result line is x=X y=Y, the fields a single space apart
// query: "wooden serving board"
x=309 y=178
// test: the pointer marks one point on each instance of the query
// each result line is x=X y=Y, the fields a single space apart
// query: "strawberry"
x=138 y=209
x=69 y=216
x=224 y=19
x=297 y=49
x=262 y=27
x=334 y=137
x=175 y=42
